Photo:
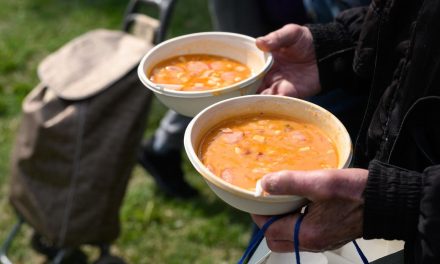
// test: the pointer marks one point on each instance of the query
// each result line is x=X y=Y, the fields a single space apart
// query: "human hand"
x=294 y=72
x=334 y=214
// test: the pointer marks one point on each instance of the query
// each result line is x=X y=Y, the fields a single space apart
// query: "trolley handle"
x=165 y=8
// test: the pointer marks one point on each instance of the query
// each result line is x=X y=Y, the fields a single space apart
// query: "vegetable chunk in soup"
x=198 y=72
x=243 y=150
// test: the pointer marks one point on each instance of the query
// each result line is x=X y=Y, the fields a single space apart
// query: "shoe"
x=166 y=170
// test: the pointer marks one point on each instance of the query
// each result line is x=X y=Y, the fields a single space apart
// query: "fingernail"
x=268 y=183
x=261 y=43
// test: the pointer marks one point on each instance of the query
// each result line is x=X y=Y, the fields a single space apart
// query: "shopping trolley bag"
x=77 y=142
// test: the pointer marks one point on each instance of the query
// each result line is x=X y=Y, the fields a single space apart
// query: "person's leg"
x=169 y=134
x=161 y=156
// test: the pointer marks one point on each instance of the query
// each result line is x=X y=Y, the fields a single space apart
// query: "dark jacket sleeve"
x=402 y=195
x=335 y=44
x=404 y=205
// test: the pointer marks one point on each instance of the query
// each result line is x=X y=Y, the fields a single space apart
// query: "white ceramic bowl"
x=242 y=199
x=235 y=46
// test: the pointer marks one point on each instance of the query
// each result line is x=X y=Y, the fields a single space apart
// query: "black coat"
x=391 y=53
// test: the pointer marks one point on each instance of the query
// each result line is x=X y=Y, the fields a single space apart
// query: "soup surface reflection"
x=243 y=150
x=198 y=72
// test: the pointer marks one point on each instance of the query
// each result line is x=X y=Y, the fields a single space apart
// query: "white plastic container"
x=235 y=46
x=372 y=249
x=243 y=199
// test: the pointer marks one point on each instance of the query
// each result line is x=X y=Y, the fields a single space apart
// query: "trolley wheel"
x=71 y=256
x=43 y=246
x=56 y=254
x=109 y=259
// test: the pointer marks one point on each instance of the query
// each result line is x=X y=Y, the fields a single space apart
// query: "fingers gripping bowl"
x=230 y=45
x=235 y=108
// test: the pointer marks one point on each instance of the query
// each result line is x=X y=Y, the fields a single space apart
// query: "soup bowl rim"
x=205 y=93
x=211 y=178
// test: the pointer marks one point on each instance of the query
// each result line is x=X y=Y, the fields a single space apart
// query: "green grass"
x=155 y=229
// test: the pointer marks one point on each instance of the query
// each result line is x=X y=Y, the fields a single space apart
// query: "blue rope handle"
x=296 y=234
x=296 y=239
x=361 y=254
x=259 y=236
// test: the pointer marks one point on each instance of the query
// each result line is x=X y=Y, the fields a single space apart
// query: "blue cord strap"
x=259 y=236
x=361 y=254
x=296 y=234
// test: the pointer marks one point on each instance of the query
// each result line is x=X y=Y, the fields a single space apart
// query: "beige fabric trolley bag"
x=80 y=130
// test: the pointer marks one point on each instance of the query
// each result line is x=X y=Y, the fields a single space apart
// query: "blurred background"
x=155 y=229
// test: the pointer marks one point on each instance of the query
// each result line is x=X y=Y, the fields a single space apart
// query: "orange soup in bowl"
x=199 y=72
x=243 y=150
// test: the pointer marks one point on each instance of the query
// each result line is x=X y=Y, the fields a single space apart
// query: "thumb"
x=317 y=184
x=281 y=38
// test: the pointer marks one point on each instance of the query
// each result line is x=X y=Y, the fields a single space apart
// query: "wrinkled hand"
x=334 y=214
x=294 y=72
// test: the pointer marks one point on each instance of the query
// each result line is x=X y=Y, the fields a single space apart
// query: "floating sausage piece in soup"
x=199 y=72
x=243 y=150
